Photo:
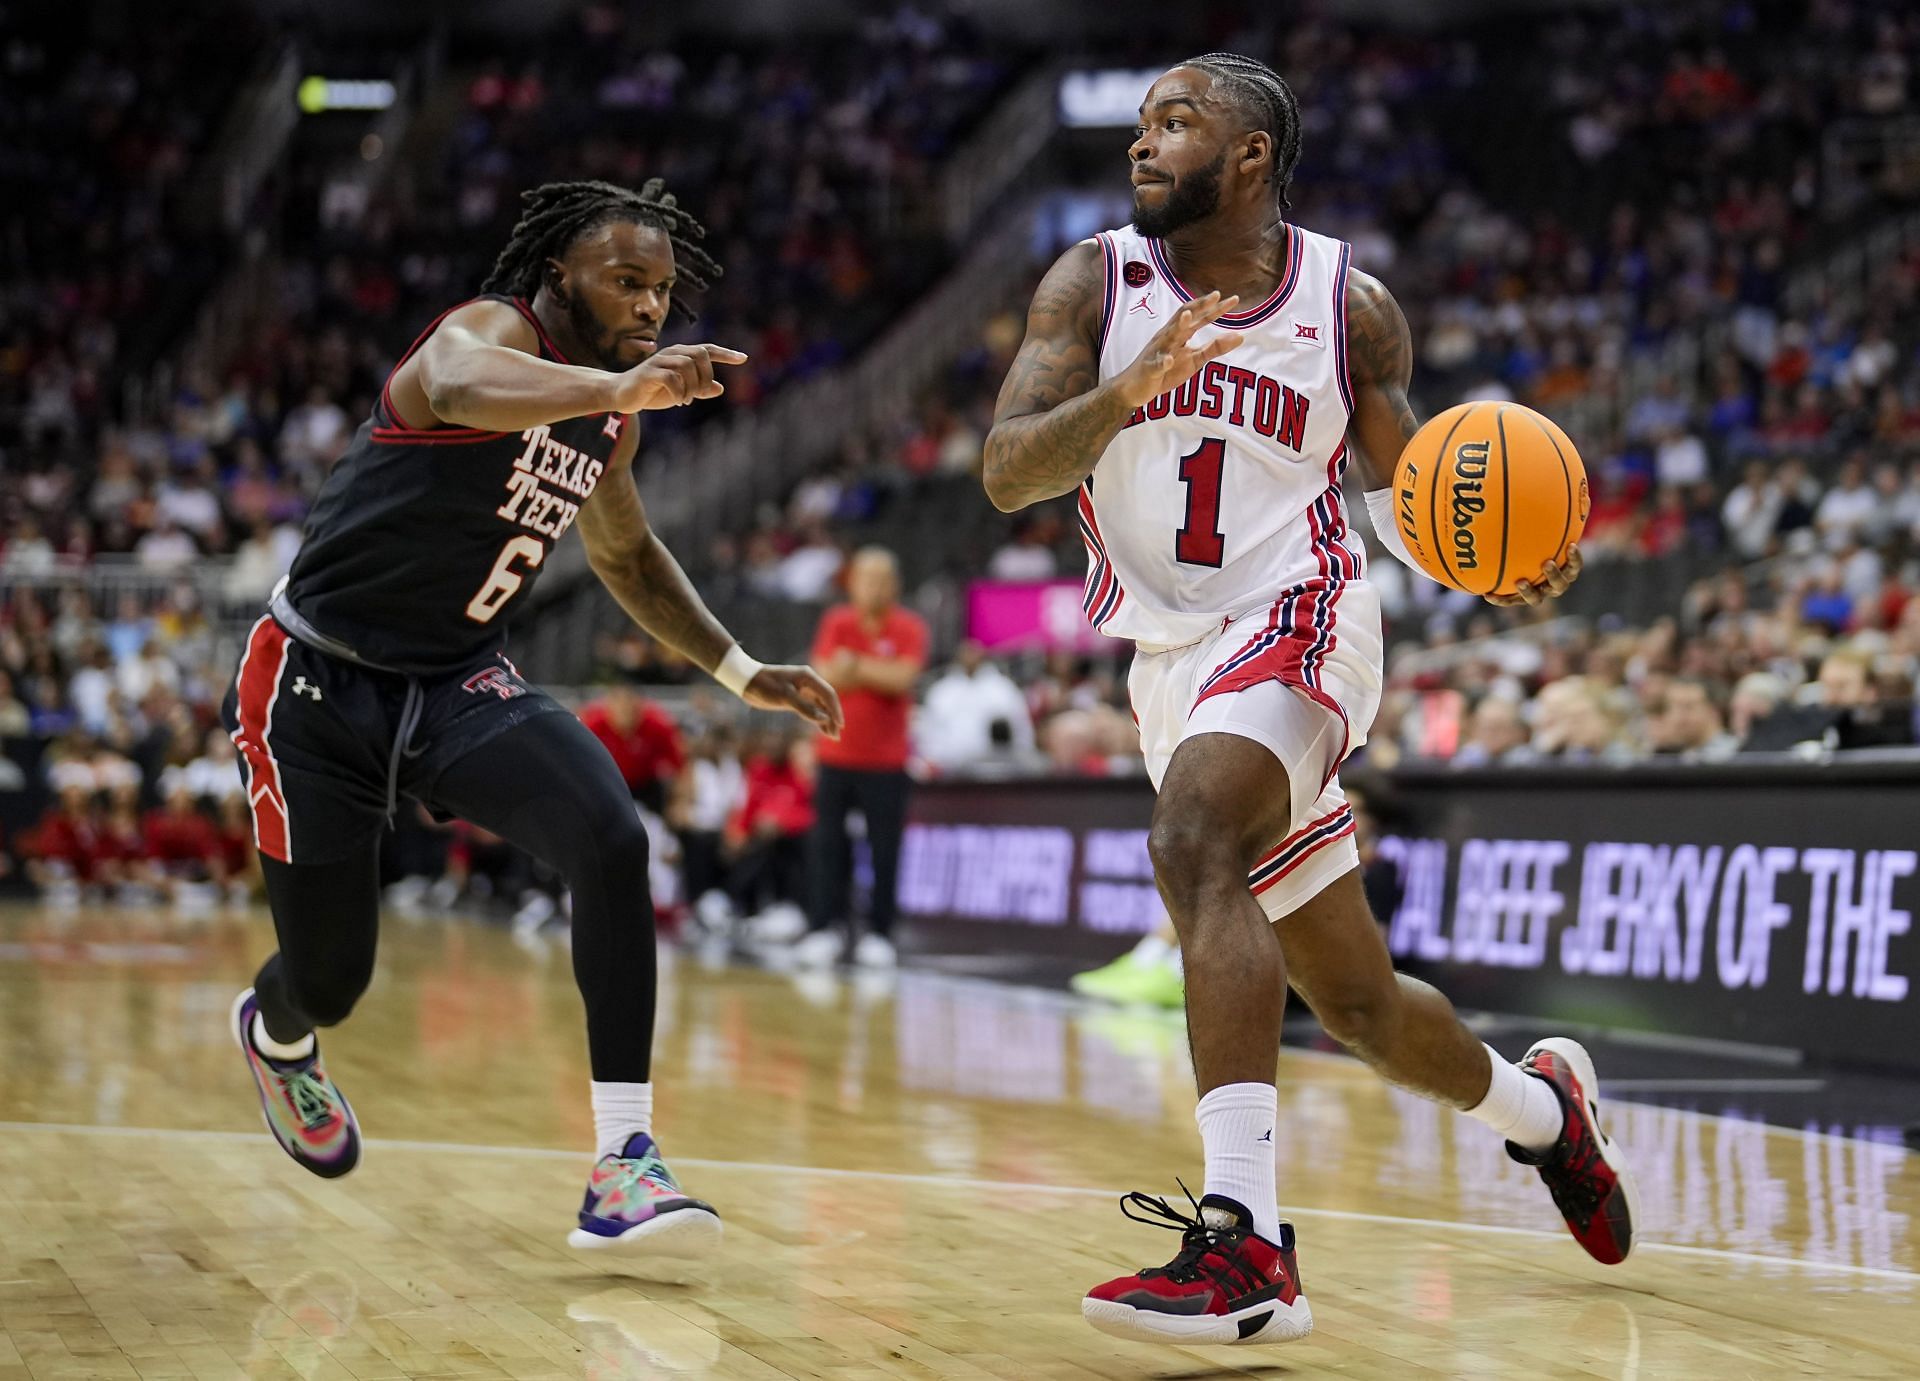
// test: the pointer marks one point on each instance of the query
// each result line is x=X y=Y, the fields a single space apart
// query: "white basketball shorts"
x=1301 y=677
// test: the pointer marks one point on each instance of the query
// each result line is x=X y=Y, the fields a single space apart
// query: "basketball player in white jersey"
x=1203 y=378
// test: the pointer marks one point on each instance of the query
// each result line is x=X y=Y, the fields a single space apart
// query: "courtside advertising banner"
x=1762 y=903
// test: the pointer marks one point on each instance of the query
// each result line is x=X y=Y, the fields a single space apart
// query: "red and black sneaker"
x=1584 y=1170
x=1227 y=1285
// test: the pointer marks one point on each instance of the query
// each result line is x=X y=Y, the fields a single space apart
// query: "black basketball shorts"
x=317 y=738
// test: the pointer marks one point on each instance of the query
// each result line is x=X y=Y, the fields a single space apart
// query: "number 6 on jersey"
x=505 y=580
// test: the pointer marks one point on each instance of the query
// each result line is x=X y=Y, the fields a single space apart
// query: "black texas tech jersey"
x=421 y=542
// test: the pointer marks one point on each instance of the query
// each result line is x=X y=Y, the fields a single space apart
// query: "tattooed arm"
x=1055 y=418
x=1379 y=369
x=638 y=570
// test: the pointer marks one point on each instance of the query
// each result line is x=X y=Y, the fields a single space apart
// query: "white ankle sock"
x=272 y=1048
x=619 y=1111
x=1520 y=1106
x=1236 y=1132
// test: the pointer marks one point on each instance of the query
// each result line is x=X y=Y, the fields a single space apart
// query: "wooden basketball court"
x=918 y=1178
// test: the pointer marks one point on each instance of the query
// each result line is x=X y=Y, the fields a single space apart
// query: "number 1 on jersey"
x=1200 y=541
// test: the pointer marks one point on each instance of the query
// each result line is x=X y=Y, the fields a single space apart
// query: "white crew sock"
x=272 y=1048
x=619 y=1111
x=1522 y=1107
x=1236 y=1132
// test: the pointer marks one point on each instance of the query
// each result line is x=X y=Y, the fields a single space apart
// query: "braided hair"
x=554 y=216
x=1268 y=104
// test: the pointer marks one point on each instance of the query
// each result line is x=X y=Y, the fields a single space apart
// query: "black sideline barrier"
x=1766 y=901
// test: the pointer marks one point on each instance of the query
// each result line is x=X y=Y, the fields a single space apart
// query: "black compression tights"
x=547 y=786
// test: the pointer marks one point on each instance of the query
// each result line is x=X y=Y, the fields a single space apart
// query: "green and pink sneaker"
x=304 y=1110
x=633 y=1202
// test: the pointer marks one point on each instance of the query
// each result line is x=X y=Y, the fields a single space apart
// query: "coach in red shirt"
x=872 y=651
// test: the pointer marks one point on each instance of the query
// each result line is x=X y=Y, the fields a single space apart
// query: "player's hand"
x=799 y=690
x=673 y=376
x=1171 y=358
x=1553 y=582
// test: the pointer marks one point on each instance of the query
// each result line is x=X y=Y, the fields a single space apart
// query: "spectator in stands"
x=1685 y=722
x=123 y=868
x=16 y=721
x=706 y=794
x=808 y=572
x=1680 y=458
x=214 y=776
x=974 y=715
x=1495 y=734
x=1891 y=516
x=261 y=560
x=28 y=552
x=184 y=849
x=1845 y=682
x=1575 y=720
x=315 y=434
x=63 y=851
x=872 y=651
x=480 y=867
x=642 y=739
x=1751 y=512
x=1094 y=742
x=166 y=548
x=1028 y=554
x=240 y=862
x=767 y=837
x=1826 y=601
x=1843 y=515
x=1799 y=497
x=91 y=688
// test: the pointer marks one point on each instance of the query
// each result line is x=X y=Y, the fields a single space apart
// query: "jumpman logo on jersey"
x=302 y=686
x=1145 y=304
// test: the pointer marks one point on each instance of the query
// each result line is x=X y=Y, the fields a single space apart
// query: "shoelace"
x=630 y=1170
x=1578 y=1183
x=1198 y=1239
x=311 y=1101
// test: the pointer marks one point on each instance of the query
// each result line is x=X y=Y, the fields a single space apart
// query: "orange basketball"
x=1486 y=494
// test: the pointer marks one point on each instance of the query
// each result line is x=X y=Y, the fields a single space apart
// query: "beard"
x=1193 y=198
x=602 y=344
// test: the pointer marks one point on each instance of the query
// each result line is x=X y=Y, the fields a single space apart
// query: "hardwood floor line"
x=978 y=1185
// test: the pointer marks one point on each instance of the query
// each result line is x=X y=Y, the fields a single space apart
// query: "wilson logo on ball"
x=1468 y=501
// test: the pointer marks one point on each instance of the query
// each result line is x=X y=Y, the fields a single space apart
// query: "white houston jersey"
x=1224 y=494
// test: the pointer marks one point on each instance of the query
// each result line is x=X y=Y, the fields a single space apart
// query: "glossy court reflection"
x=918 y=1177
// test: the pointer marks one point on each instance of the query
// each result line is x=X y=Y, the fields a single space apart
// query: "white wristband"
x=737 y=669
x=1380 y=509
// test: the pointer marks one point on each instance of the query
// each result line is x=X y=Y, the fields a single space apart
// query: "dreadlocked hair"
x=1268 y=103
x=553 y=216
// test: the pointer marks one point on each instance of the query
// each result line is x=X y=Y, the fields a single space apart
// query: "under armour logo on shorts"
x=302 y=686
x=495 y=680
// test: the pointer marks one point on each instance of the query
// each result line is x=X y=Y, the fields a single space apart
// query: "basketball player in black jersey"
x=379 y=669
